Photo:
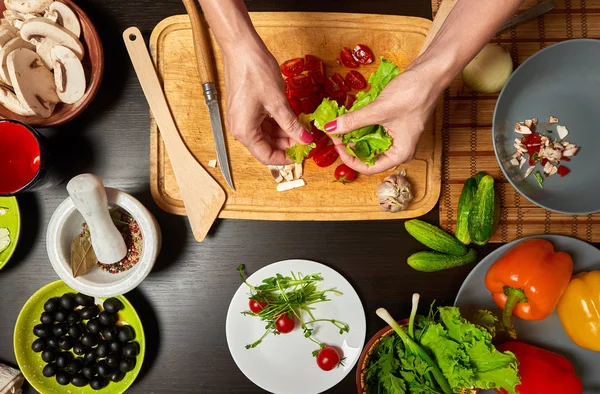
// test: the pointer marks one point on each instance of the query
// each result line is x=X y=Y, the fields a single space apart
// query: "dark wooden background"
x=183 y=303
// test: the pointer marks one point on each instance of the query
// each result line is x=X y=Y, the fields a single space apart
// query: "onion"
x=489 y=70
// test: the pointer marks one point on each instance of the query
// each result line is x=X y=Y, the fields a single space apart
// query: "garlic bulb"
x=394 y=193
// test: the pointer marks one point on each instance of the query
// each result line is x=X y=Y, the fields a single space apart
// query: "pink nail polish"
x=306 y=137
x=331 y=126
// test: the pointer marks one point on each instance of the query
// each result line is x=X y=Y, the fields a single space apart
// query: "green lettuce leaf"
x=299 y=152
x=327 y=111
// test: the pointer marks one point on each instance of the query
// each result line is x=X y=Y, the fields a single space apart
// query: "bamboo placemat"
x=466 y=127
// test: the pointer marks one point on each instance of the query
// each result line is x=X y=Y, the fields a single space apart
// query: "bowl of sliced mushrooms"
x=51 y=61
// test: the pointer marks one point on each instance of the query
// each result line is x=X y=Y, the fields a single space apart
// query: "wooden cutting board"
x=287 y=35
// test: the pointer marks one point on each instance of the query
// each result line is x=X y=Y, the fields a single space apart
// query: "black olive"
x=42 y=330
x=103 y=369
x=47 y=318
x=59 y=330
x=49 y=355
x=116 y=346
x=61 y=315
x=38 y=345
x=103 y=349
x=75 y=331
x=107 y=319
x=109 y=333
x=52 y=304
x=127 y=364
x=116 y=376
x=113 y=360
x=73 y=318
x=50 y=370
x=89 y=370
x=66 y=343
x=94 y=326
x=74 y=366
x=63 y=378
x=90 y=356
x=79 y=348
x=83 y=300
x=52 y=342
x=131 y=349
x=89 y=312
x=63 y=359
x=67 y=301
x=126 y=334
x=89 y=339
x=98 y=383
x=112 y=305
x=79 y=380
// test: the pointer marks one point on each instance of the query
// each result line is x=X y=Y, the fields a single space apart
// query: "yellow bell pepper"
x=579 y=310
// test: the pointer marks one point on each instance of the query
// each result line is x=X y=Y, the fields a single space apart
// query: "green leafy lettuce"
x=299 y=152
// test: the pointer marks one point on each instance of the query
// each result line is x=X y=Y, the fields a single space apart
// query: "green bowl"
x=11 y=220
x=31 y=363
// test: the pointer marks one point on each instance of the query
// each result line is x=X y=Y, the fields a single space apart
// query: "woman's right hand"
x=258 y=114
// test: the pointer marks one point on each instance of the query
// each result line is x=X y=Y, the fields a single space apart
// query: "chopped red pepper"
x=562 y=170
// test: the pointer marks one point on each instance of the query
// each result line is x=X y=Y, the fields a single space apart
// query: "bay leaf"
x=83 y=257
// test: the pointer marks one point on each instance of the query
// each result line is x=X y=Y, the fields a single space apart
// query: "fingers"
x=366 y=116
x=289 y=123
x=383 y=163
x=265 y=153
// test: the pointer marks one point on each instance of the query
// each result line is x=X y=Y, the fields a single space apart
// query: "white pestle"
x=88 y=194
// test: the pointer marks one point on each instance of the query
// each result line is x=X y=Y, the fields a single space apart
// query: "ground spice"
x=130 y=230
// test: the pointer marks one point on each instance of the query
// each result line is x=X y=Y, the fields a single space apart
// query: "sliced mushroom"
x=28 y=6
x=10 y=101
x=5 y=36
x=5 y=25
x=33 y=83
x=41 y=28
x=63 y=15
x=69 y=76
x=10 y=46
x=16 y=19
x=44 y=49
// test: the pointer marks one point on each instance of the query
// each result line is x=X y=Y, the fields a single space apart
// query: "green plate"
x=31 y=363
x=11 y=220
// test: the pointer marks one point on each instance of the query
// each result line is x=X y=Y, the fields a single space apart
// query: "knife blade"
x=212 y=102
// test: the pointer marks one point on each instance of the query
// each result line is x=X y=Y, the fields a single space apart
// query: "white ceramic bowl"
x=66 y=223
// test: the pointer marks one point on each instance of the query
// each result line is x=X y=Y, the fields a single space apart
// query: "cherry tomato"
x=326 y=156
x=328 y=358
x=310 y=62
x=363 y=54
x=315 y=98
x=337 y=78
x=350 y=99
x=347 y=59
x=355 y=80
x=562 y=170
x=304 y=92
x=299 y=81
x=292 y=67
x=256 y=306
x=288 y=91
x=318 y=73
x=333 y=89
x=308 y=107
x=320 y=139
x=344 y=174
x=284 y=324
x=295 y=105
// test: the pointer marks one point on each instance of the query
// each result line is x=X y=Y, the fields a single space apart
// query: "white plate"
x=284 y=364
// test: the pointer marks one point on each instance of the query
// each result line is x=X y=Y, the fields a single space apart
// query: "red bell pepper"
x=541 y=371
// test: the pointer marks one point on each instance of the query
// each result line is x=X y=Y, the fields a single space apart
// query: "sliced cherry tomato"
x=333 y=89
x=310 y=62
x=284 y=324
x=318 y=73
x=299 y=81
x=562 y=170
x=304 y=92
x=363 y=54
x=326 y=156
x=350 y=99
x=308 y=107
x=315 y=98
x=320 y=139
x=347 y=59
x=328 y=358
x=337 y=78
x=292 y=67
x=288 y=91
x=344 y=174
x=544 y=162
x=565 y=158
x=355 y=80
x=295 y=105
x=256 y=306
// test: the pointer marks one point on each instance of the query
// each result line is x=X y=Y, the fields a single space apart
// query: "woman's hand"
x=258 y=114
x=403 y=108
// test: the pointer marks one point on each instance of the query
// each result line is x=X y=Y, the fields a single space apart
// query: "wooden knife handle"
x=440 y=17
x=204 y=56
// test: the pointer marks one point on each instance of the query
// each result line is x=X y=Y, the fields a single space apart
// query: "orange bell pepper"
x=579 y=310
x=528 y=280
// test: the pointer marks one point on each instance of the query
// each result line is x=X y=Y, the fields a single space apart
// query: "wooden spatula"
x=202 y=196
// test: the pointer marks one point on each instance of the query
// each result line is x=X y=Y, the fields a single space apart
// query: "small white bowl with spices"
x=139 y=229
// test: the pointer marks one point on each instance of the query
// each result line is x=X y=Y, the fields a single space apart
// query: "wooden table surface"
x=183 y=302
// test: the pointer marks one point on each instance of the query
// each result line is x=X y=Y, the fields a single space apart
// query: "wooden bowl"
x=366 y=353
x=93 y=64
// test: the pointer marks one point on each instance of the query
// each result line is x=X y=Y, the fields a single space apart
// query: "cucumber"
x=484 y=214
x=479 y=176
x=434 y=261
x=464 y=207
x=435 y=238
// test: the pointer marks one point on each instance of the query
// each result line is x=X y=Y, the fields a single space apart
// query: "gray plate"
x=561 y=80
x=547 y=333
